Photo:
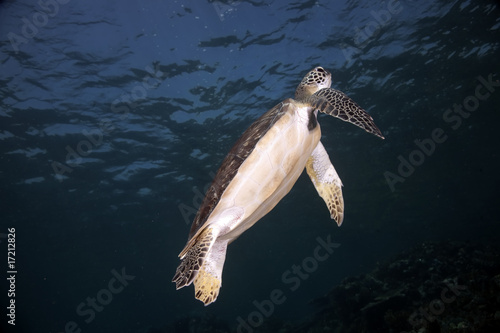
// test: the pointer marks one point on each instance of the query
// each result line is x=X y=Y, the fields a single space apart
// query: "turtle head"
x=315 y=80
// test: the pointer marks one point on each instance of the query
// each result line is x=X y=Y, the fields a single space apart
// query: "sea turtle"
x=260 y=170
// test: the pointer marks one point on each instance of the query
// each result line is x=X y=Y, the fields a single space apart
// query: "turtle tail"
x=336 y=103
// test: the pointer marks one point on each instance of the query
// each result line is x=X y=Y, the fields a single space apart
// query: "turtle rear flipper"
x=193 y=258
x=203 y=263
x=337 y=104
x=327 y=182
x=209 y=279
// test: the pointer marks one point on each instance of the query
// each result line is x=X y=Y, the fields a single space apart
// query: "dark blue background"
x=163 y=89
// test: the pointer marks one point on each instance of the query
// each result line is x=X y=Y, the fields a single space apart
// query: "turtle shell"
x=234 y=159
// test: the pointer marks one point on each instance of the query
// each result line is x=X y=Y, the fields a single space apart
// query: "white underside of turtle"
x=260 y=170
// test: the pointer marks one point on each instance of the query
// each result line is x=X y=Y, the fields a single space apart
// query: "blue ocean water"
x=115 y=115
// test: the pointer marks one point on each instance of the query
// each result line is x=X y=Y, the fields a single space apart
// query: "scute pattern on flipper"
x=338 y=104
x=206 y=286
x=327 y=182
x=332 y=195
x=193 y=259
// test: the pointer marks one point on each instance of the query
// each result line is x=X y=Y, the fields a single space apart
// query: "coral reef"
x=436 y=287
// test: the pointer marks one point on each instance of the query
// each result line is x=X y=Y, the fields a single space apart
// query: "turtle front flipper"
x=337 y=104
x=326 y=181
